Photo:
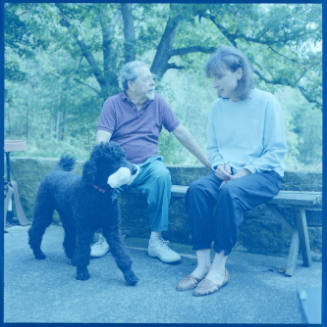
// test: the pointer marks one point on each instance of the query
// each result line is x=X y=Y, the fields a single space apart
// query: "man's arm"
x=185 y=138
x=102 y=136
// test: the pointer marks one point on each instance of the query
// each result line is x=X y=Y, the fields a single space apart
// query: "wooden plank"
x=300 y=198
x=285 y=198
x=14 y=145
x=179 y=190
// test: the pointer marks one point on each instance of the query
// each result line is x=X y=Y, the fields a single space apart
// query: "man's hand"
x=102 y=136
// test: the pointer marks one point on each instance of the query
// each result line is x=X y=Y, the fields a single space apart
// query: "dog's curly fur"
x=84 y=204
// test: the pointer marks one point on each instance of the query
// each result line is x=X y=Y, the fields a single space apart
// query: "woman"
x=246 y=146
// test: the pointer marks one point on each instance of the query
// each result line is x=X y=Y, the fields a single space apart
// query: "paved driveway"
x=46 y=291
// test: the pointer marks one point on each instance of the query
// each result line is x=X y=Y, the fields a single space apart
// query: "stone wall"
x=260 y=233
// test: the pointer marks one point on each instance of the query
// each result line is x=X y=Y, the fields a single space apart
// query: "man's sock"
x=155 y=236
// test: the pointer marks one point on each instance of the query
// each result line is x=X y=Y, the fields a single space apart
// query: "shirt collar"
x=250 y=96
x=125 y=98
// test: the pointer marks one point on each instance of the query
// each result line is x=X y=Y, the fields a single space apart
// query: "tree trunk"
x=27 y=123
x=109 y=54
x=58 y=126
x=8 y=126
x=129 y=32
x=160 y=61
x=63 y=123
x=86 y=52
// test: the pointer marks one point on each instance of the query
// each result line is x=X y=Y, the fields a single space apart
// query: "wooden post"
x=19 y=209
x=301 y=221
x=293 y=254
x=6 y=203
x=14 y=145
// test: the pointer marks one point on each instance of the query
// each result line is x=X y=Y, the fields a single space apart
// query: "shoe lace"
x=163 y=243
x=100 y=241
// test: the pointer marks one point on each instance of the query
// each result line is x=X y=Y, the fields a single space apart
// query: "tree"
x=83 y=46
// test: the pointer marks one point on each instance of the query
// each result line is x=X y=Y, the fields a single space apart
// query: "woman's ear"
x=89 y=171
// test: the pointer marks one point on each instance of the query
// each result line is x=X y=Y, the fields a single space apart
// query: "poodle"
x=84 y=204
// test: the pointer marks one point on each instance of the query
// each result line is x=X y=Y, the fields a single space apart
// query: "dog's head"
x=108 y=166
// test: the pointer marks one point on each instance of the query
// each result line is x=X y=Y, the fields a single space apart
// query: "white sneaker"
x=99 y=248
x=159 y=248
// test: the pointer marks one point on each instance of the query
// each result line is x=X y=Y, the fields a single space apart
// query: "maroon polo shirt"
x=137 y=131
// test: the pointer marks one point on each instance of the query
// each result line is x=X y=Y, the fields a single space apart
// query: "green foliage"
x=62 y=61
x=303 y=130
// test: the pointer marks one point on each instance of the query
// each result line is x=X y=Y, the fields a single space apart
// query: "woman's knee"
x=228 y=190
x=231 y=196
x=197 y=190
x=198 y=186
x=193 y=188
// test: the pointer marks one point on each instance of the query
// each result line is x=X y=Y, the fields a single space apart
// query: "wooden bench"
x=298 y=201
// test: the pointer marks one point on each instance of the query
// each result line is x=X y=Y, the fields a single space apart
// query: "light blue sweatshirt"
x=247 y=134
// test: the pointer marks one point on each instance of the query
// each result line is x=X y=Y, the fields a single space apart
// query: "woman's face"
x=226 y=83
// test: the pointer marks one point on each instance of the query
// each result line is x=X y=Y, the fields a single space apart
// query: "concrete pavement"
x=46 y=291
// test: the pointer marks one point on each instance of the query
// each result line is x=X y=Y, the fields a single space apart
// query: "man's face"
x=227 y=82
x=143 y=86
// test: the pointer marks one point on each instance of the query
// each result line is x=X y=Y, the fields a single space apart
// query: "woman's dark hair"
x=231 y=58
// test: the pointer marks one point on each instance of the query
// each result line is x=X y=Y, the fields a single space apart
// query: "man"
x=134 y=119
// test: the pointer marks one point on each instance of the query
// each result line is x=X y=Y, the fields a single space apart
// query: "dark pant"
x=216 y=213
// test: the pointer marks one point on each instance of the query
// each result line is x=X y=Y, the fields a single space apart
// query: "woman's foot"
x=187 y=283
x=193 y=279
x=216 y=277
x=207 y=286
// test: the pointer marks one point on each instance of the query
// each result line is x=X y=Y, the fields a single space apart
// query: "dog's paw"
x=39 y=255
x=130 y=278
x=82 y=274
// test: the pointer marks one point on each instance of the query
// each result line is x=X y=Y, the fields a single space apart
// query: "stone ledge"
x=260 y=233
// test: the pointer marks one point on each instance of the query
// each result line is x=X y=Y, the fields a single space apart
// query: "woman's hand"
x=243 y=172
x=224 y=172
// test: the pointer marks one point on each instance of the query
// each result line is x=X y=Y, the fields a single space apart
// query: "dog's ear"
x=89 y=171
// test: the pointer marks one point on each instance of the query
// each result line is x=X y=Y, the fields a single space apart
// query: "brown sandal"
x=187 y=283
x=207 y=286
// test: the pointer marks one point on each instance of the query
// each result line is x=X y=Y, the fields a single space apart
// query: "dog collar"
x=99 y=188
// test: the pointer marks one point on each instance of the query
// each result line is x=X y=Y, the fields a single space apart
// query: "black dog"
x=84 y=204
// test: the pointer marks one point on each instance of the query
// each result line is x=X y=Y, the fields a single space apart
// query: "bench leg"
x=300 y=238
x=293 y=254
x=301 y=221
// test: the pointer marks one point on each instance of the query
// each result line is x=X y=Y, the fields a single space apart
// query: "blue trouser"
x=216 y=213
x=154 y=181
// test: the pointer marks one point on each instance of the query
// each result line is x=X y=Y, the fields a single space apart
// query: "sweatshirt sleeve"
x=274 y=143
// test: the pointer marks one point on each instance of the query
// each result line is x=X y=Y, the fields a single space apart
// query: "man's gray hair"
x=128 y=73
